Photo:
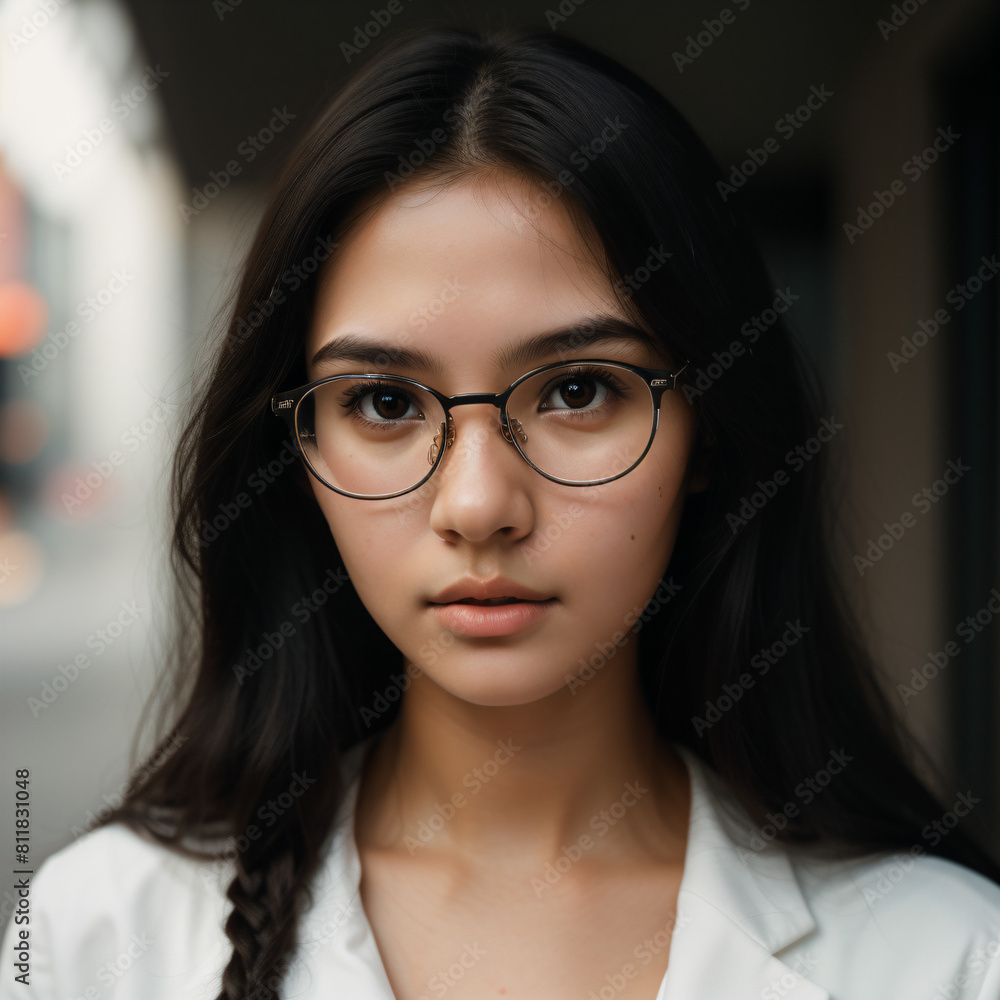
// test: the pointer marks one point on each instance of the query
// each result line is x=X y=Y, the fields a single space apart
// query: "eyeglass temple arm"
x=671 y=380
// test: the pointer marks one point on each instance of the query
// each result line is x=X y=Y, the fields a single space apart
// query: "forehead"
x=460 y=271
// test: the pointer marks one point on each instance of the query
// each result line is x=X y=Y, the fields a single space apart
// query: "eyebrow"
x=593 y=330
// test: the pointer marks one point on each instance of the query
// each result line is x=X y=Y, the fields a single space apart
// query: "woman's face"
x=462 y=273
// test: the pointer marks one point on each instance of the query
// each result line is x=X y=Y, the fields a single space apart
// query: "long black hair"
x=279 y=667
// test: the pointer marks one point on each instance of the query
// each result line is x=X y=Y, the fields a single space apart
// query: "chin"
x=494 y=688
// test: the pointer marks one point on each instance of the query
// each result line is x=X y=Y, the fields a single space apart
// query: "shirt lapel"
x=737 y=906
x=338 y=954
x=739 y=903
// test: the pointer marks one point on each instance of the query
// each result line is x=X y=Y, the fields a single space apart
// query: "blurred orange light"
x=23 y=318
x=22 y=565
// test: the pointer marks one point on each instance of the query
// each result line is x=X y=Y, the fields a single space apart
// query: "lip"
x=530 y=606
x=484 y=620
x=483 y=590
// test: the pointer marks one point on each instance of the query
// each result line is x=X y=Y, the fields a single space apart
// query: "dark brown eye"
x=577 y=392
x=390 y=405
x=381 y=403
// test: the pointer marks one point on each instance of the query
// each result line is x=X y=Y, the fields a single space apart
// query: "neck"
x=527 y=783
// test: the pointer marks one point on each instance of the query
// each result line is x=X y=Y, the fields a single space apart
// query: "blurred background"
x=137 y=142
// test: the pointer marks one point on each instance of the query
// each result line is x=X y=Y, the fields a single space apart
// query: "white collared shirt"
x=113 y=915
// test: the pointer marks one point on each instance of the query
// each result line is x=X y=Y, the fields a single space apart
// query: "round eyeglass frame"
x=657 y=380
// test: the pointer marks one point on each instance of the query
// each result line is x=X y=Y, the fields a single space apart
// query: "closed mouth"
x=496 y=600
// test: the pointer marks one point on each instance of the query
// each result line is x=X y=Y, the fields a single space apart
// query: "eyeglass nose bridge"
x=475 y=397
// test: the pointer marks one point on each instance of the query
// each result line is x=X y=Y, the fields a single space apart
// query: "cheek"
x=660 y=490
x=374 y=541
x=644 y=507
x=352 y=531
x=622 y=535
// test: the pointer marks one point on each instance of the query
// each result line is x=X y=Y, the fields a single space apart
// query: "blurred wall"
x=896 y=154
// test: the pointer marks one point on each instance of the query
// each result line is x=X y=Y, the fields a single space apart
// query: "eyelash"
x=611 y=381
x=356 y=393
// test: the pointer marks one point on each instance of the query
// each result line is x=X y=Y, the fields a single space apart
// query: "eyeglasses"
x=374 y=437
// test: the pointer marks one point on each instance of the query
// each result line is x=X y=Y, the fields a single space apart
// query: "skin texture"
x=523 y=268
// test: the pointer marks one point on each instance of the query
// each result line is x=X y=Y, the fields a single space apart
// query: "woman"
x=523 y=668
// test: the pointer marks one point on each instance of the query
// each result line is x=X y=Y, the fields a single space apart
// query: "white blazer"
x=114 y=915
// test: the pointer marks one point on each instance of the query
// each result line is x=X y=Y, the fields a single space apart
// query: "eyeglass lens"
x=377 y=436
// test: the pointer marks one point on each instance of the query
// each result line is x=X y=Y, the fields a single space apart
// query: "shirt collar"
x=739 y=903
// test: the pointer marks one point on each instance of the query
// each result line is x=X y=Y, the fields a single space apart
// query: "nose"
x=483 y=483
x=446 y=438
